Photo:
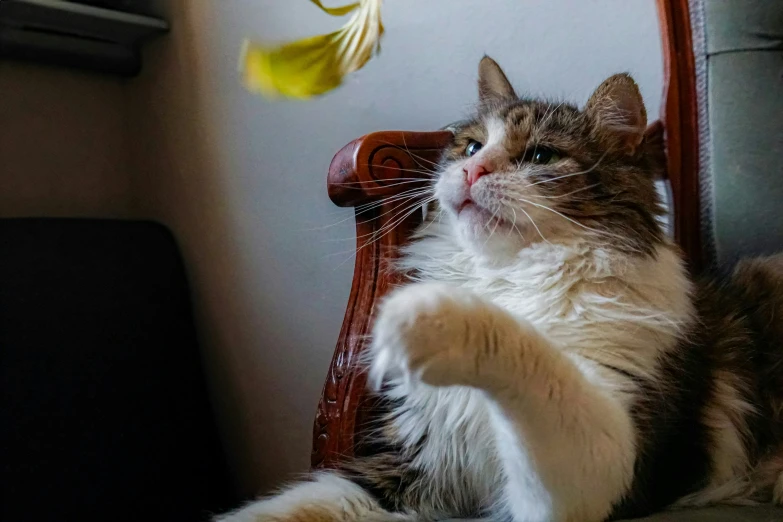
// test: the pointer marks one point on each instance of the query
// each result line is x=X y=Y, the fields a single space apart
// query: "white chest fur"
x=620 y=309
x=600 y=309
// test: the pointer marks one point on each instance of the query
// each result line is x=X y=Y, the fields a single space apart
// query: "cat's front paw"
x=428 y=332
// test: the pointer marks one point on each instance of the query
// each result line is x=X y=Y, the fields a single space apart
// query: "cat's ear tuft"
x=617 y=109
x=493 y=84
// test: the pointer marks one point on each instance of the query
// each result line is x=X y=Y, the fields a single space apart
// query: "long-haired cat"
x=550 y=359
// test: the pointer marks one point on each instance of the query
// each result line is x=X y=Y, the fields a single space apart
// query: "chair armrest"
x=367 y=170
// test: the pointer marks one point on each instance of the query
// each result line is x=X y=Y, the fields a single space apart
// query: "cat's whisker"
x=378 y=234
x=550 y=114
x=387 y=229
x=488 y=222
x=366 y=207
x=514 y=224
x=410 y=153
x=416 y=156
x=425 y=189
x=394 y=221
x=414 y=201
x=595 y=165
x=486 y=225
x=539 y=196
x=575 y=222
x=387 y=199
x=497 y=223
x=330 y=225
x=532 y=221
x=363 y=209
x=425 y=171
x=440 y=214
x=414 y=198
x=397 y=181
x=405 y=206
x=392 y=199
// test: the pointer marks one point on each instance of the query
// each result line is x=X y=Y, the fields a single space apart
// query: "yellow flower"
x=315 y=65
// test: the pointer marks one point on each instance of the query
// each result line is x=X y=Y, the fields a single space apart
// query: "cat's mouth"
x=471 y=210
x=465 y=204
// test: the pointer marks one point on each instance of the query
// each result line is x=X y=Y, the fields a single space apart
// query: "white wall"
x=241 y=179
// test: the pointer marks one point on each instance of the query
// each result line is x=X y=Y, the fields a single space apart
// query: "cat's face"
x=524 y=171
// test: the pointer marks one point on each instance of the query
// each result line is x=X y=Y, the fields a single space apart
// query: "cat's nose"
x=474 y=171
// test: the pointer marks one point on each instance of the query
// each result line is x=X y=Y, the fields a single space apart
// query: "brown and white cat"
x=550 y=359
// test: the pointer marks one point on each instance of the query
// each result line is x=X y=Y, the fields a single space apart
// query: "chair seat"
x=720 y=514
x=714 y=514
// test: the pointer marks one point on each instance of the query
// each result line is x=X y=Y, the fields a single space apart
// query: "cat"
x=550 y=358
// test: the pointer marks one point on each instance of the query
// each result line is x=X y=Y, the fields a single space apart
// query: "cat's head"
x=525 y=171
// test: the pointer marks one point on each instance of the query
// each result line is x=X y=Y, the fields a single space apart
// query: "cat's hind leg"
x=327 y=497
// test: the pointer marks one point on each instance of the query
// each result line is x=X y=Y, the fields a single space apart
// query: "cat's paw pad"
x=426 y=332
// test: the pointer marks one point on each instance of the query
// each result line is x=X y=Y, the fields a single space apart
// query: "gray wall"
x=241 y=180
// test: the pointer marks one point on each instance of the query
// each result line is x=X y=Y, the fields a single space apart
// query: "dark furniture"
x=104 y=411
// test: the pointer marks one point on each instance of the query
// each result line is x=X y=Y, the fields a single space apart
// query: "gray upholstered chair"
x=738 y=48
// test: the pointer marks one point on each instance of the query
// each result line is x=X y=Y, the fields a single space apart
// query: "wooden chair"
x=366 y=169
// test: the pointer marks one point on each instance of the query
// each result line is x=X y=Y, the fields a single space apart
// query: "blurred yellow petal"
x=315 y=65
x=336 y=11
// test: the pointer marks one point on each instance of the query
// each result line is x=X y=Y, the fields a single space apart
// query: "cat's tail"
x=326 y=497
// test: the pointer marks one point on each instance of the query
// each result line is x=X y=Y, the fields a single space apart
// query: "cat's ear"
x=492 y=84
x=617 y=110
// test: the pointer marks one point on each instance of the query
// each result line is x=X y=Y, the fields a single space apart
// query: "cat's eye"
x=542 y=156
x=472 y=148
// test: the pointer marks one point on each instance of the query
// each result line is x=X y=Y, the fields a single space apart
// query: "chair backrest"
x=371 y=167
x=738 y=59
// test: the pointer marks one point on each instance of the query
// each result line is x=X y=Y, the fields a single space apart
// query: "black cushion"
x=104 y=412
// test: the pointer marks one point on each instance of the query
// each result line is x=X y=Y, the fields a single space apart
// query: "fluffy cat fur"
x=550 y=359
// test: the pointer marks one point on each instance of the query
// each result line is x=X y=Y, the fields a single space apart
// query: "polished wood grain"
x=680 y=119
x=362 y=174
